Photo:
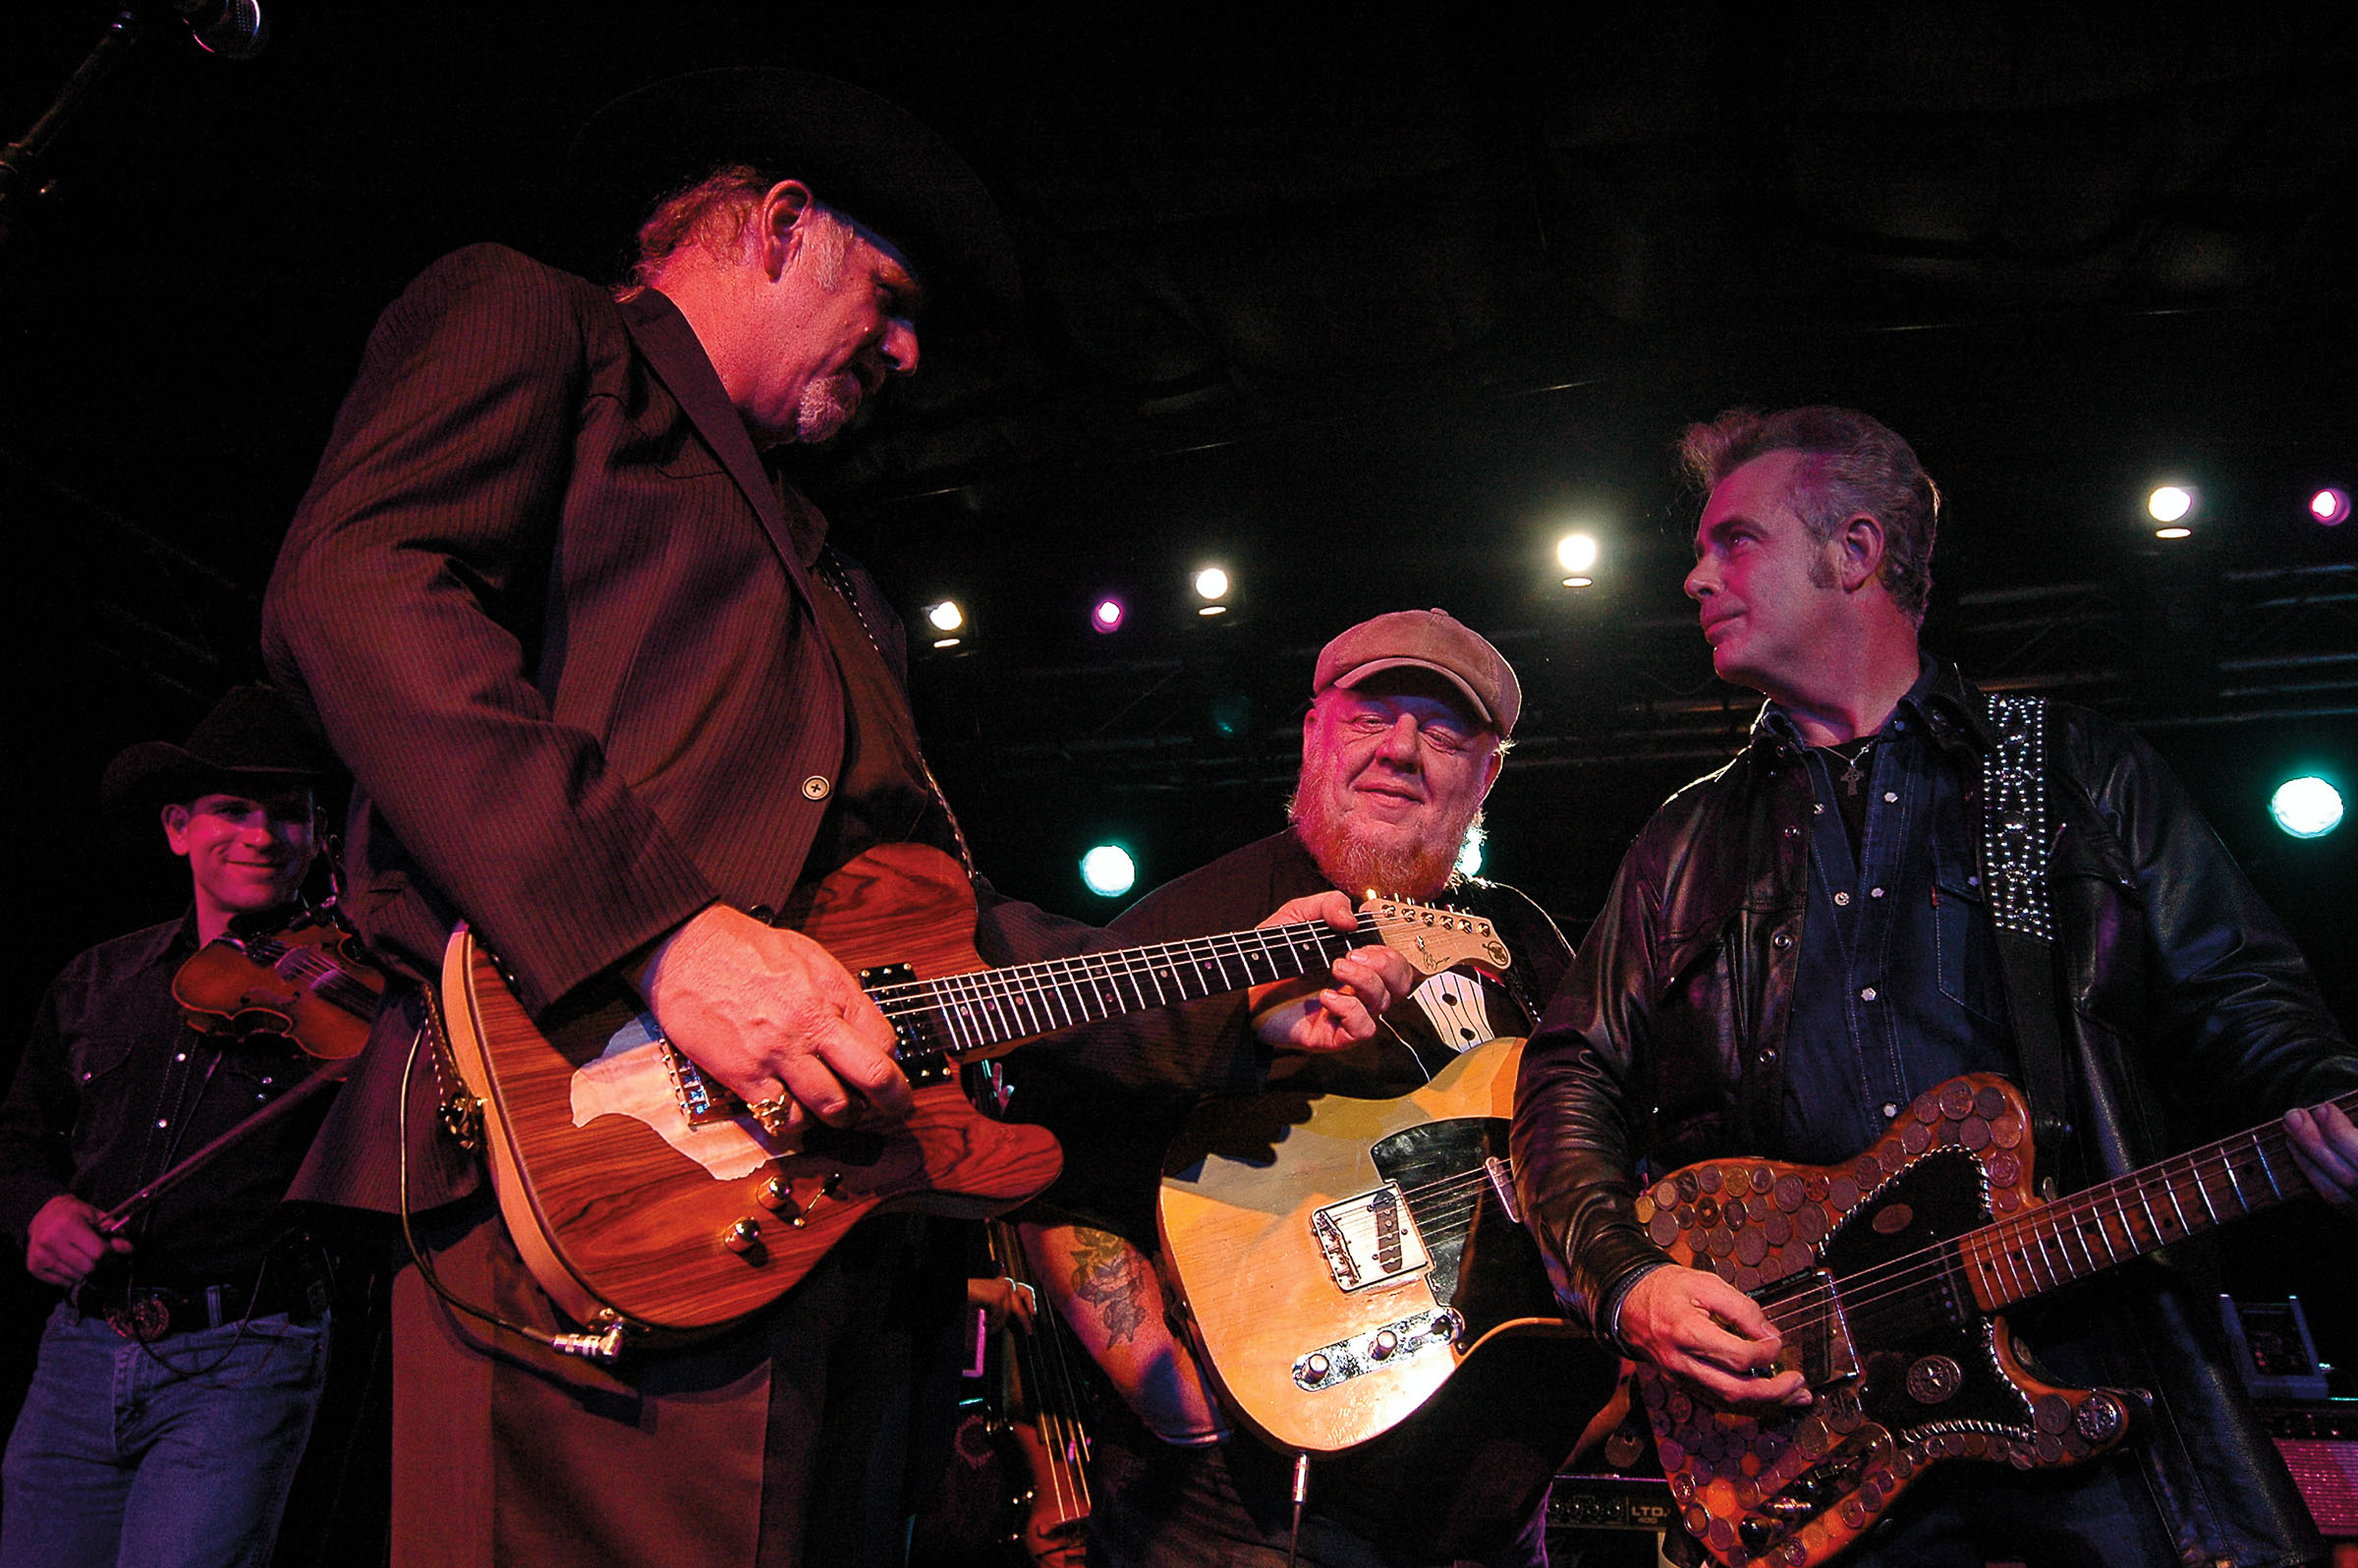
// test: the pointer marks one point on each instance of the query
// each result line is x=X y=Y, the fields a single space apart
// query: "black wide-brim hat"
x=859 y=154
x=252 y=743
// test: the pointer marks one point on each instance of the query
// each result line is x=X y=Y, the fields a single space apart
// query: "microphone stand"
x=235 y=32
x=22 y=157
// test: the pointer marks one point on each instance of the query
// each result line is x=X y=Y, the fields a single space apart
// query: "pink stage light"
x=2329 y=506
x=1108 y=615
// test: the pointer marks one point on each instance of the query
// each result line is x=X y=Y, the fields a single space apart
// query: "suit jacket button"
x=814 y=787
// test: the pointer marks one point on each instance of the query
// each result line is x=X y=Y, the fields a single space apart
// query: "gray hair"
x=716 y=215
x=1857 y=465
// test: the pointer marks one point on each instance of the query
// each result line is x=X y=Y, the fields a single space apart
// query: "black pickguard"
x=1929 y=1311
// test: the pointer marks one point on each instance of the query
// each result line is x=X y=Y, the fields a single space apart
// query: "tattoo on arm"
x=1109 y=1274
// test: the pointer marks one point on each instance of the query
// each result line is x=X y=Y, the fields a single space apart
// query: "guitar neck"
x=970 y=1013
x=2129 y=1216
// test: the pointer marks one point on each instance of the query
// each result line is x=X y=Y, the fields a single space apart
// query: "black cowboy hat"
x=252 y=743
x=858 y=152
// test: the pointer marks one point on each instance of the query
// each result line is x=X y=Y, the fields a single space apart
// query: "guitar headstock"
x=1432 y=938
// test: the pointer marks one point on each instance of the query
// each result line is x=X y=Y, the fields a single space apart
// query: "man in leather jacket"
x=1800 y=945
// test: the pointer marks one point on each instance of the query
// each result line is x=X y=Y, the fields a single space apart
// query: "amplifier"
x=1610 y=1502
x=2318 y=1439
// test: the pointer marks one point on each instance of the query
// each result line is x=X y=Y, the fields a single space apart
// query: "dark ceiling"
x=1368 y=312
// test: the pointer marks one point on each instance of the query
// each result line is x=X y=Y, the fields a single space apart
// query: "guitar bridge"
x=702 y=1102
x=1370 y=1239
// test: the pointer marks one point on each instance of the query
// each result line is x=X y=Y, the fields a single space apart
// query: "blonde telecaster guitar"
x=1359 y=1285
x=641 y=1193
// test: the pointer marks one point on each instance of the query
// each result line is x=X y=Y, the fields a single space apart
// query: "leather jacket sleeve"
x=1577 y=1107
x=2181 y=963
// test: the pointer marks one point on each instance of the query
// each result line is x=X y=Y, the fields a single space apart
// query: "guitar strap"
x=2015 y=846
x=838 y=576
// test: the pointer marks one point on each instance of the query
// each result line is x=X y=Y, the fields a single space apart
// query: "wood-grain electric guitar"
x=643 y=1193
x=1887 y=1277
x=1358 y=1283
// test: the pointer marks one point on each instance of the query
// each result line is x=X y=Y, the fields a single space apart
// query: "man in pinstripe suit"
x=603 y=686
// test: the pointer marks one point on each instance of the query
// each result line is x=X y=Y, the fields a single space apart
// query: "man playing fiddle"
x=177 y=1381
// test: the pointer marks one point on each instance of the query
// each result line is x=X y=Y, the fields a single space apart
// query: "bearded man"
x=1407 y=731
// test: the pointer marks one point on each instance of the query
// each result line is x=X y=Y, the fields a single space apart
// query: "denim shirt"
x=1897 y=987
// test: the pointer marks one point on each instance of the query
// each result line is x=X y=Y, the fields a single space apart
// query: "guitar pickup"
x=1817 y=1340
x=1370 y=1239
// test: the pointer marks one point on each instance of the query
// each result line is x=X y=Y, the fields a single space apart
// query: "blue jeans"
x=167 y=1455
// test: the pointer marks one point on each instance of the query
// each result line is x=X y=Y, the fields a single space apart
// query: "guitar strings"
x=2000 y=1246
x=2006 y=1241
x=999 y=1004
x=1056 y=1388
x=325 y=978
x=1261 y=941
x=992 y=1006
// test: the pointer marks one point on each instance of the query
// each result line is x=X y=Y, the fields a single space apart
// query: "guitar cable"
x=1293 y=1547
x=604 y=1347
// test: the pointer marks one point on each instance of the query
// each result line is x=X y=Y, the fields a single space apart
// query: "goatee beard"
x=824 y=411
x=1419 y=870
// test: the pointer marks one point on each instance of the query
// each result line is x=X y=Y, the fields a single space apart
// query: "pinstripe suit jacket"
x=549 y=608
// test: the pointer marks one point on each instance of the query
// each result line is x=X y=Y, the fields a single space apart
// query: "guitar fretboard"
x=2087 y=1232
x=974 y=1012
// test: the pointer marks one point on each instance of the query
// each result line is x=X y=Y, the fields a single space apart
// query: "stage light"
x=1576 y=553
x=945 y=616
x=2307 y=806
x=1211 y=586
x=2329 y=506
x=1107 y=616
x=1469 y=854
x=2172 y=505
x=1109 y=872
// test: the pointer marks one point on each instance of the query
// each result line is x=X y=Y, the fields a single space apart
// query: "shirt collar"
x=1936 y=704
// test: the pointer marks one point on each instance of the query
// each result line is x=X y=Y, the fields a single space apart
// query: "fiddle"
x=310 y=981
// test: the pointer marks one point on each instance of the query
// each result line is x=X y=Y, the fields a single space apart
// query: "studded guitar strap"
x=2015 y=846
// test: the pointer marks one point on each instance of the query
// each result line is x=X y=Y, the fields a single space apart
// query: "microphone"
x=234 y=30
